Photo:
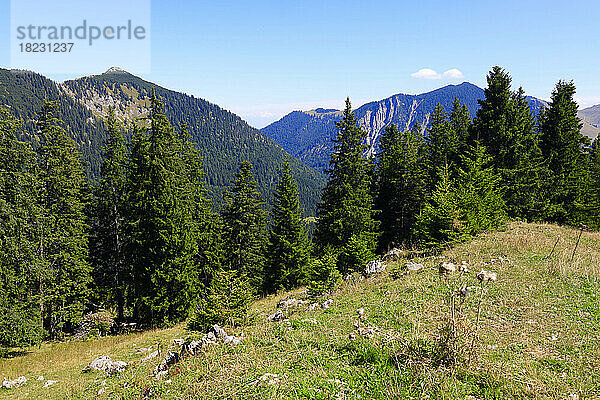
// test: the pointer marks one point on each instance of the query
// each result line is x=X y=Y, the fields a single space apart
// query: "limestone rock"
x=15 y=383
x=106 y=365
x=393 y=255
x=277 y=316
x=374 y=267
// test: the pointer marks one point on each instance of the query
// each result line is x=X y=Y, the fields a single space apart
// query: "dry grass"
x=538 y=337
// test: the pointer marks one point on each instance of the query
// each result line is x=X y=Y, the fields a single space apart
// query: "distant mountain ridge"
x=223 y=138
x=307 y=134
x=591 y=120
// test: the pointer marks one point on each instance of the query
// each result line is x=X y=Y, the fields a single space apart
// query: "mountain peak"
x=115 y=70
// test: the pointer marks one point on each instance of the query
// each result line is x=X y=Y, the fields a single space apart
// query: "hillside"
x=307 y=135
x=591 y=121
x=537 y=336
x=223 y=138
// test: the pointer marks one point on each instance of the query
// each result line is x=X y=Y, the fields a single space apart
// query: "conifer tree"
x=107 y=230
x=461 y=208
x=346 y=208
x=19 y=312
x=244 y=234
x=504 y=125
x=593 y=220
x=562 y=144
x=288 y=248
x=62 y=231
x=401 y=184
x=162 y=235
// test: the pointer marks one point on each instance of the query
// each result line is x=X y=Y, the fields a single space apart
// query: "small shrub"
x=322 y=273
x=227 y=302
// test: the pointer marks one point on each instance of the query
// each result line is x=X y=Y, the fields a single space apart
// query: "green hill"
x=537 y=336
x=224 y=139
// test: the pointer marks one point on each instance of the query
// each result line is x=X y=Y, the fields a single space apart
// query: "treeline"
x=145 y=242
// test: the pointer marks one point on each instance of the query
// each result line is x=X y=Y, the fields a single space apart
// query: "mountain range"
x=308 y=134
x=223 y=138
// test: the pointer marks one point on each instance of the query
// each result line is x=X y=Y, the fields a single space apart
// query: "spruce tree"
x=288 y=248
x=401 y=184
x=162 y=234
x=107 y=230
x=504 y=125
x=62 y=230
x=244 y=235
x=593 y=220
x=462 y=207
x=346 y=208
x=562 y=144
x=19 y=264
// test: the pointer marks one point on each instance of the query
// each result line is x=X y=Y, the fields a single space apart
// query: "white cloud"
x=426 y=73
x=453 y=74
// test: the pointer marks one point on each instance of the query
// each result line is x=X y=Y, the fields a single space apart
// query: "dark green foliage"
x=225 y=302
x=162 y=230
x=288 y=248
x=244 y=235
x=322 y=273
x=594 y=186
x=562 y=144
x=355 y=254
x=64 y=273
x=401 y=184
x=504 y=125
x=346 y=205
x=19 y=263
x=111 y=274
x=461 y=208
x=223 y=139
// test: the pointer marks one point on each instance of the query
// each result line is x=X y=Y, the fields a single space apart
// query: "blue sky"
x=263 y=59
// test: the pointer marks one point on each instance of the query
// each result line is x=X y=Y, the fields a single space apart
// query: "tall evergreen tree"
x=19 y=264
x=346 y=208
x=107 y=230
x=594 y=185
x=401 y=184
x=244 y=235
x=162 y=242
x=505 y=126
x=562 y=144
x=62 y=229
x=288 y=248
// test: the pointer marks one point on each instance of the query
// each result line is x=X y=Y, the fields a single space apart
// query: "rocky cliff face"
x=307 y=135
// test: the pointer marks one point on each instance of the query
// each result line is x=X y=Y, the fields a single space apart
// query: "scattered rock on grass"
x=327 y=304
x=150 y=356
x=268 y=378
x=414 y=267
x=49 y=383
x=487 y=276
x=447 y=268
x=374 y=267
x=170 y=359
x=15 y=383
x=277 y=316
x=393 y=255
x=106 y=364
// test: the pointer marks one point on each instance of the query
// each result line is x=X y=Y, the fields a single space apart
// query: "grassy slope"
x=538 y=337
